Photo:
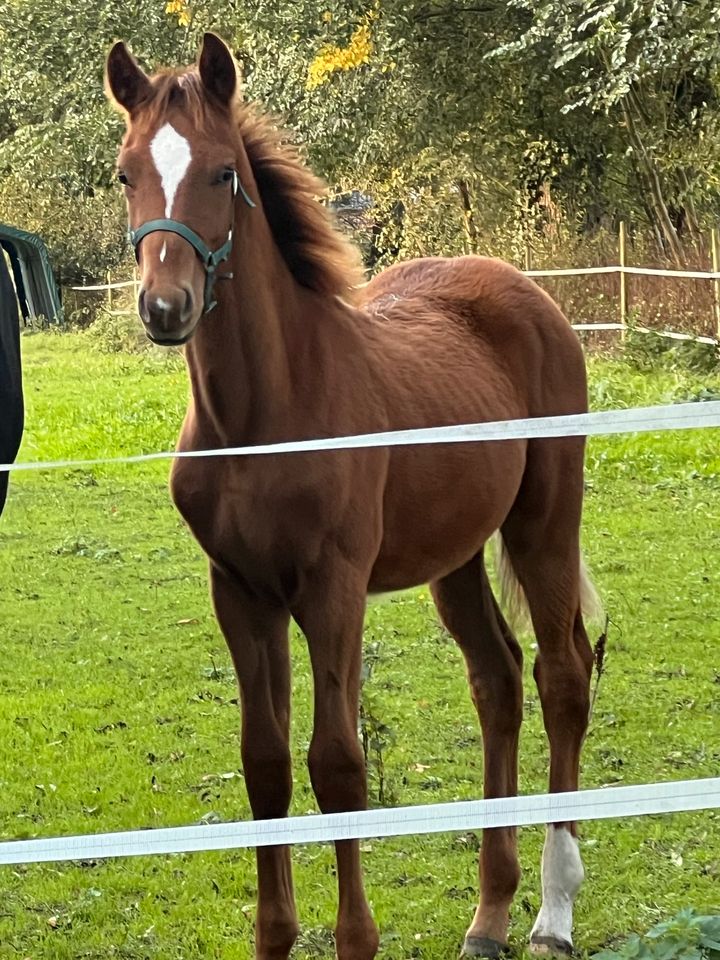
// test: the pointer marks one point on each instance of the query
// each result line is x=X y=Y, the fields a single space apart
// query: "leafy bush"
x=118 y=333
x=687 y=936
x=649 y=351
x=85 y=235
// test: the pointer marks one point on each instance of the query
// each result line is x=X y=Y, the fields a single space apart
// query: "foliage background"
x=474 y=125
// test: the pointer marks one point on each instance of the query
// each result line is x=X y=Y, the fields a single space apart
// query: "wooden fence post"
x=715 y=283
x=623 y=287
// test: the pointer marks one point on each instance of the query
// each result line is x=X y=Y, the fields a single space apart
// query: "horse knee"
x=268 y=778
x=337 y=773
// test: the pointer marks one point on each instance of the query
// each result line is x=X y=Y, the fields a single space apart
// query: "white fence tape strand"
x=633 y=271
x=670 y=334
x=673 y=335
x=559 y=272
x=596 y=327
x=679 y=416
x=600 y=804
x=109 y=286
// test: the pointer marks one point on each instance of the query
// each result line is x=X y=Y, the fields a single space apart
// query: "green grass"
x=117 y=703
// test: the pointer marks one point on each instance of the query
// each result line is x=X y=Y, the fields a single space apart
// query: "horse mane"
x=316 y=253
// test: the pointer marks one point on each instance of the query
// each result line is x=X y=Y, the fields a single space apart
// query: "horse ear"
x=125 y=81
x=218 y=70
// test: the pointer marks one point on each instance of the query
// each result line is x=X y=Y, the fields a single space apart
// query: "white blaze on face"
x=562 y=874
x=163 y=253
x=171 y=155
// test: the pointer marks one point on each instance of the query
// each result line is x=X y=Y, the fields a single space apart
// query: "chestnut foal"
x=240 y=262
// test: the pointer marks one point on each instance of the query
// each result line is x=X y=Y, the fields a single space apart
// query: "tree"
x=472 y=124
x=651 y=65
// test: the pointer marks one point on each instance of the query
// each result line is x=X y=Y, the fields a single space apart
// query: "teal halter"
x=210 y=259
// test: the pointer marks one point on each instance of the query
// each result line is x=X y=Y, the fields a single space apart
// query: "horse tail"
x=512 y=595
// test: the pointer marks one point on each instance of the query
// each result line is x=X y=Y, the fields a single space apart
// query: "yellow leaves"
x=332 y=59
x=181 y=10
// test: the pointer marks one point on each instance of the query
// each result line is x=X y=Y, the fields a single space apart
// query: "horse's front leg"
x=331 y=616
x=257 y=635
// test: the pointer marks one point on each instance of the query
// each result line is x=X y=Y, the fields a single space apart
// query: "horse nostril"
x=142 y=309
x=188 y=302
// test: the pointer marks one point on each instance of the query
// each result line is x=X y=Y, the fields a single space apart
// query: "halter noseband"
x=210 y=259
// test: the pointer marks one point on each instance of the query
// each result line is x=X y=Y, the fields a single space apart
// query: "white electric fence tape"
x=665 y=334
x=559 y=272
x=679 y=416
x=109 y=286
x=600 y=804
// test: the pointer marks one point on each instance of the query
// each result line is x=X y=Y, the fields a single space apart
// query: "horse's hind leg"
x=494 y=665
x=542 y=539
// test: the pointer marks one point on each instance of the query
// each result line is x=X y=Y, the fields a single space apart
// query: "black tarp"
x=11 y=397
x=35 y=285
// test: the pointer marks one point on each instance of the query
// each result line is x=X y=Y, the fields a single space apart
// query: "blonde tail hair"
x=512 y=595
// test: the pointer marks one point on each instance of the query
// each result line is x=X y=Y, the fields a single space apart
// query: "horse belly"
x=441 y=505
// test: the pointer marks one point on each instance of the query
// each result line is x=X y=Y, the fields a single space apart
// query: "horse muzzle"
x=170 y=316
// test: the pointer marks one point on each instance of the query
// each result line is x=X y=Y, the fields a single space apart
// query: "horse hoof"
x=551 y=947
x=484 y=947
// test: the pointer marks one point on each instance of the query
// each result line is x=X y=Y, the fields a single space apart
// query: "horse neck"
x=239 y=359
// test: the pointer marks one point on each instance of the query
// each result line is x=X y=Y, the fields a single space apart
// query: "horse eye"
x=227 y=175
x=123 y=178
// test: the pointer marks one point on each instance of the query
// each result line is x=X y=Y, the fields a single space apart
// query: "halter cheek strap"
x=210 y=259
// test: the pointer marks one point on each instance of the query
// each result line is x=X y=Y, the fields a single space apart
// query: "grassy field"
x=118 y=705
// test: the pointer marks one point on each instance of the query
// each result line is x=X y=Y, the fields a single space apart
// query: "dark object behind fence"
x=11 y=396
